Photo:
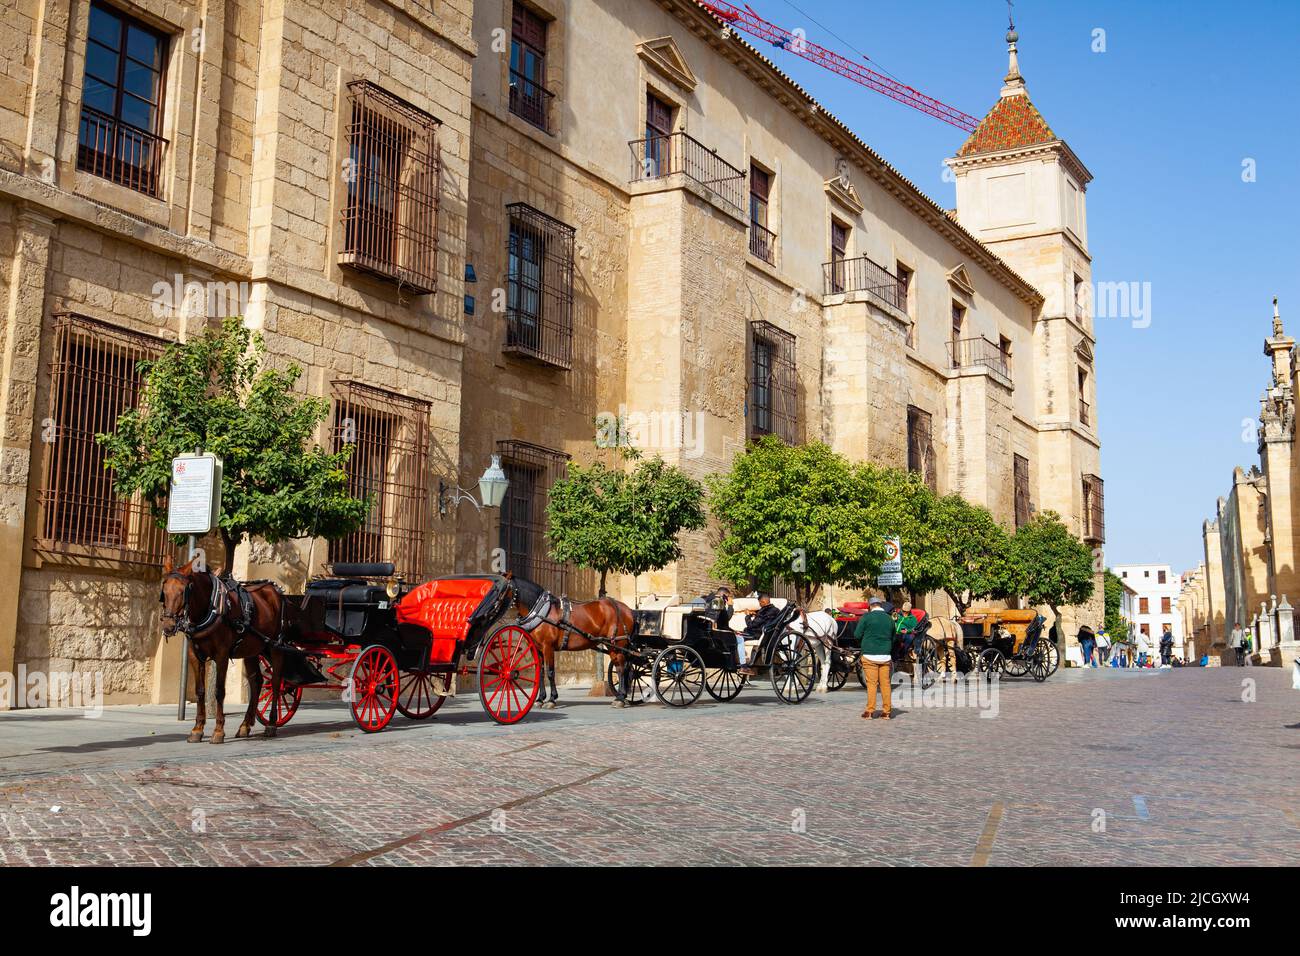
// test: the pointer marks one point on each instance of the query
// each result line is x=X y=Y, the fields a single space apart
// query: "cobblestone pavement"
x=1183 y=770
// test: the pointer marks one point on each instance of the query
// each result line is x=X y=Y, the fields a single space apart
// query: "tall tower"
x=1021 y=191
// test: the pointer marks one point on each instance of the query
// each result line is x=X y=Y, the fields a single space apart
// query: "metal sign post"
x=193 y=508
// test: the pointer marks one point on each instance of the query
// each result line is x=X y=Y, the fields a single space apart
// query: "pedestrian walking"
x=1087 y=643
x=875 y=634
x=1103 y=647
x=1166 y=646
x=1238 y=644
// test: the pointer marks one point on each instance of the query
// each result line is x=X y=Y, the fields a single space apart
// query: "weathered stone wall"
x=253 y=108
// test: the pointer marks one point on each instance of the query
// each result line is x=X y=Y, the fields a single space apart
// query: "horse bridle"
x=181 y=622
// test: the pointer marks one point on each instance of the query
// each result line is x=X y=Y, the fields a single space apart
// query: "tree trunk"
x=230 y=543
x=958 y=602
x=603 y=572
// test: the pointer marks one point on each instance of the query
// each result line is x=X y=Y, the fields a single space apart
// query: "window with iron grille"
x=1020 y=480
x=773 y=383
x=390 y=217
x=1094 y=510
x=529 y=97
x=390 y=463
x=531 y=470
x=539 y=287
x=920 y=446
x=94 y=378
x=121 y=101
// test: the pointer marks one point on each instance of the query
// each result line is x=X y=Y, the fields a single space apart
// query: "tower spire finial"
x=1014 y=83
x=1277 y=320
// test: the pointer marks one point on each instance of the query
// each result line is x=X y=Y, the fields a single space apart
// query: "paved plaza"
x=1095 y=768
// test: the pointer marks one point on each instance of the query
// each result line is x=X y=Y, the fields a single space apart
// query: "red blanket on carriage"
x=444 y=607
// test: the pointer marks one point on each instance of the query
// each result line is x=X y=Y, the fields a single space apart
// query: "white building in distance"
x=1156 y=588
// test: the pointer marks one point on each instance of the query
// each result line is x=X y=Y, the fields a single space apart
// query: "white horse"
x=819 y=628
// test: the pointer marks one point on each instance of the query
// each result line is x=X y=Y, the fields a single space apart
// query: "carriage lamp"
x=491 y=489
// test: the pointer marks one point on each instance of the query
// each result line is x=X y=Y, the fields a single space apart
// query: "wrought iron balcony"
x=530 y=100
x=864 y=275
x=658 y=157
x=120 y=152
x=979 y=351
x=762 y=243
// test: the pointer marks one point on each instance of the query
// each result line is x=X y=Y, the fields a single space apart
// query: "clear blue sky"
x=1184 y=92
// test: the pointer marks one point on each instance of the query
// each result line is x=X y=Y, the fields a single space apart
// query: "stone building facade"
x=484 y=229
x=1251 y=550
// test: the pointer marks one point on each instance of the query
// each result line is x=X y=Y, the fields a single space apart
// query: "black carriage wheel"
x=857 y=669
x=927 y=662
x=678 y=676
x=1052 y=654
x=793 y=667
x=1039 y=668
x=638 y=680
x=417 y=697
x=839 y=671
x=723 y=685
x=991 y=663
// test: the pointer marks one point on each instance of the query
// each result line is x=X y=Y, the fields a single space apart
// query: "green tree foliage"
x=1116 y=626
x=970 y=551
x=212 y=394
x=623 y=521
x=1049 y=565
x=803 y=514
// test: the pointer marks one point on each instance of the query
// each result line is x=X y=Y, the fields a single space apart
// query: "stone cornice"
x=1057 y=148
x=785 y=91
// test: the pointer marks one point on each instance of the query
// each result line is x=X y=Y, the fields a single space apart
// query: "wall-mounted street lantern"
x=491 y=490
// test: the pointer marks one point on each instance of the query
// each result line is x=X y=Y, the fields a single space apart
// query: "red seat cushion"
x=443 y=607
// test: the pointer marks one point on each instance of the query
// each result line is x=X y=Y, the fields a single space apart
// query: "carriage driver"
x=760 y=619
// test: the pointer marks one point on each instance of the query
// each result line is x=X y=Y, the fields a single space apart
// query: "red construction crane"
x=747 y=21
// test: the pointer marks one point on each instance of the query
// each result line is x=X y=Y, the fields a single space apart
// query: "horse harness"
x=228 y=597
x=540 y=612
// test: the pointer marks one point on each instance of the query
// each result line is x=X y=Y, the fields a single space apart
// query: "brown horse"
x=202 y=607
x=601 y=618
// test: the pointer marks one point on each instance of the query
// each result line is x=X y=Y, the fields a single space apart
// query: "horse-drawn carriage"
x=922 y=655
x=1010 y=642
x=391 y=647
x=678 y=651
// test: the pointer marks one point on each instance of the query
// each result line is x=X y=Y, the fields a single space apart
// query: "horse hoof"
x=552 y=704
x=219 y=737
x=243 y=732
x=194 y=738
x=269 y=732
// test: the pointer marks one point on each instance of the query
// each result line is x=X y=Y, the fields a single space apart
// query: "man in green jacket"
x=875 y=634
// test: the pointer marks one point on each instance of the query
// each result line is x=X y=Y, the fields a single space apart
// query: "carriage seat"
x=738 y=619
x=443 y=607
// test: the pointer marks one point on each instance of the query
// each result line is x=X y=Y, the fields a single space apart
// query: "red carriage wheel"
x=416 y=697
x=509 y=674
x=290 y=697
x=374 y=683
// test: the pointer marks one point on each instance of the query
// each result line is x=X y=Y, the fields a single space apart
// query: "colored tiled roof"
x=1014 y=122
